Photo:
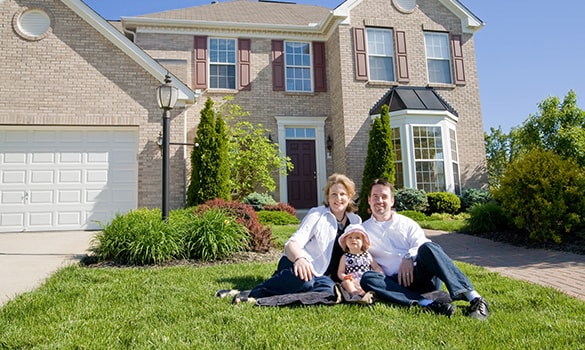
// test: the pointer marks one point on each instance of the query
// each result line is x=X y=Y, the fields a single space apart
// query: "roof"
x=274 y=13
x=412 y=98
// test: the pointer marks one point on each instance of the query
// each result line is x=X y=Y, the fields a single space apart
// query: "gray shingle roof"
x=406 y=97
x=242 y=11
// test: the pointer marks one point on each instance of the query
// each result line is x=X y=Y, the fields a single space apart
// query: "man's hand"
x=304 y=269
x=406 y=272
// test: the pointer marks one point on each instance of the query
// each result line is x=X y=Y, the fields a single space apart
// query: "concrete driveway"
x=28 y=258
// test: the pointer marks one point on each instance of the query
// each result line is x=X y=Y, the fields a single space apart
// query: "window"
x=380 y=54
x=438 y=58
x=300 y=133
x=398 y=165
x=428 y=158
x=298 y=66
x=455 y=161
x=222 y=63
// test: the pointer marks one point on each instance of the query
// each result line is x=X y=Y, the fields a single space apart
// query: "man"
x=412 y=264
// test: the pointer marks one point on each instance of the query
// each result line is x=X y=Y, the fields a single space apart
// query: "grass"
x=174 y=308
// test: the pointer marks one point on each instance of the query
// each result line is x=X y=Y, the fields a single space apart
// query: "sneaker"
x=243 y=297
x=479 y=309
x=441 y=308
x=226 y=292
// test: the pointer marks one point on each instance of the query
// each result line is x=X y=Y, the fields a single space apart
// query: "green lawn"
x=175 y=308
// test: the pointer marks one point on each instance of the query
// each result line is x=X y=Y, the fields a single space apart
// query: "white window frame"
x=380 y=50
x=298 y=65
x=223 y=63
x=438 y=53
x=405 y=120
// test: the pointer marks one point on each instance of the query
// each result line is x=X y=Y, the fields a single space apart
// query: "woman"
x=312 y=253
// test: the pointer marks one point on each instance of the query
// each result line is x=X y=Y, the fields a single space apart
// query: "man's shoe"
x=441 y=308
x=226 y=292
x=479 y=309
x=243 y=297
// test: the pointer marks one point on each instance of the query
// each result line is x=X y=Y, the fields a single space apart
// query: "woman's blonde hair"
x=349 y=186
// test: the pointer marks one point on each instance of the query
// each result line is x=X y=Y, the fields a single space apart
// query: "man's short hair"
x=382 y=182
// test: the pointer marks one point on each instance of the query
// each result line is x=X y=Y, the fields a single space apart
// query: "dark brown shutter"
x=401 y=59
x=458 y=66
x=277 y=65
x=319 y=68
x=200 y=58
x=244 y=64
x=360 y=54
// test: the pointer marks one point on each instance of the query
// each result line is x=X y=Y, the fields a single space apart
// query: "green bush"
x=259 y=200
x=544 y=194
x=139 y=237
x=414 y=215
x=281 y=207
x=213 y=235
x=270 y=217
x=260 y=235
x=472 y=196
x=487 y=217
x=410 y=199
x=443 y=202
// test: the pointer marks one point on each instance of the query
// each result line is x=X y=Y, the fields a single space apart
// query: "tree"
x=380 y=158
x=255 y=161
x=209 y=162
x=498 y=155
x=559 y=128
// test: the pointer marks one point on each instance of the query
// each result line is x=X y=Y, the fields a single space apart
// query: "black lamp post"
x=166 y=95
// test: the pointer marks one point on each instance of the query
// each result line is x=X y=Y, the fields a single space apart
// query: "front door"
x=302 y=181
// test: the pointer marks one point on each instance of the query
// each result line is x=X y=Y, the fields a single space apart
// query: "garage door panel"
x=66 y=179
x=41 y=219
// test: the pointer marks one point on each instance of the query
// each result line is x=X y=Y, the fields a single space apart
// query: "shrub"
x=213 y=235
x=277 y=218
x=260 y=236
x=139 y=237
x=281 y=207
x=414 y=215
x=258 y=200
x=472 y=196
x=487 y=217
x=410 y=199
x=544 y=194
x=443 y=202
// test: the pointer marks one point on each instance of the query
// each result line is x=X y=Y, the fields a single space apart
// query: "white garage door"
x=66 y=178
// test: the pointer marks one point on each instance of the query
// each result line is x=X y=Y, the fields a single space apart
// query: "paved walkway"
x=27 y=259
x=560 y=270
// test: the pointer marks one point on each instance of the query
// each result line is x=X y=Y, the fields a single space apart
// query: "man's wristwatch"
x=408 y=256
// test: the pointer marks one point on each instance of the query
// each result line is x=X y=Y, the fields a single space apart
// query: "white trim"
x=470 y=23
x=318 y=123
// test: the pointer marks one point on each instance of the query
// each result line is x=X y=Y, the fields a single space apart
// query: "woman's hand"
x=303 y=269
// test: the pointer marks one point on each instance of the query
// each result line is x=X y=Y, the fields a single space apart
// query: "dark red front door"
x=302 y=181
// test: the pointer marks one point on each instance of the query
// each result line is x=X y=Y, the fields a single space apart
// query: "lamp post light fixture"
x=166 y=95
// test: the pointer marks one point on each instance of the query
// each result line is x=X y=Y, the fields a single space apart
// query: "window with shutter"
x=360 y=54
x=200 y=60
x=277 y=65
x=319 y=67
x=458 y=66
x=244 y=48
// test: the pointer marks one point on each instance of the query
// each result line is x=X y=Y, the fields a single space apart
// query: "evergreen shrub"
x=410 y=199
x=443 y=202
x=471 y=196
x=281 y=207
x=259 y=200
x=270 y=217
x=414 y=215
x=544 y=194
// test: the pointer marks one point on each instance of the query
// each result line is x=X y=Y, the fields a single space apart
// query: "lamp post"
x=166 y=95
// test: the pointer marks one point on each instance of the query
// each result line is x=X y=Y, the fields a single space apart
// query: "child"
x=356 y=260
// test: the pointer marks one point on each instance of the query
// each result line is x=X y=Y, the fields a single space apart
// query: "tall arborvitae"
x=209 y=163
x=380 y=159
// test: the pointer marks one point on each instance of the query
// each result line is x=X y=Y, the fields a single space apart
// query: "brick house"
x=315 y=77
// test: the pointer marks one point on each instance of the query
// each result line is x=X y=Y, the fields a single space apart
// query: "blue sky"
x=528 y=50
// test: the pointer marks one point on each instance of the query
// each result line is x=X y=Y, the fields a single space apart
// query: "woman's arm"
x=341 y=269
x=303 y=268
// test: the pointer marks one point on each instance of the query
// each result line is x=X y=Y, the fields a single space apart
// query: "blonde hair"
x=349 y=186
